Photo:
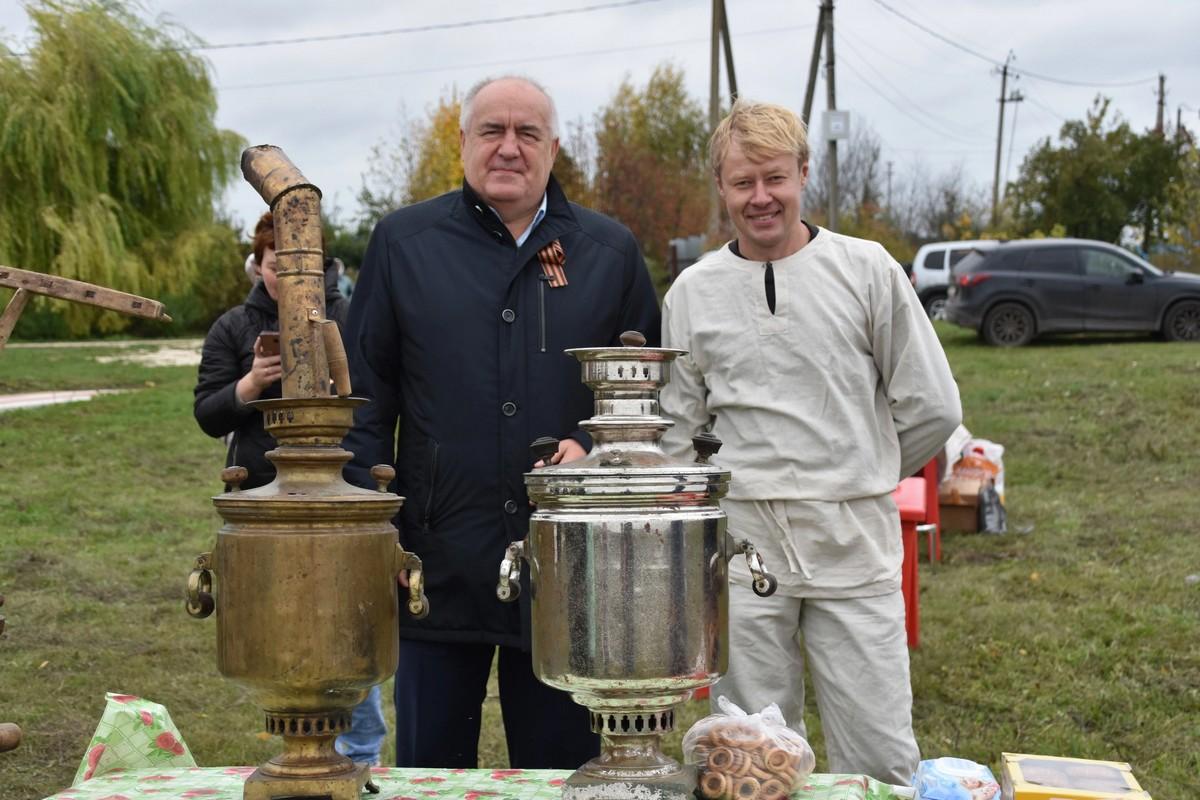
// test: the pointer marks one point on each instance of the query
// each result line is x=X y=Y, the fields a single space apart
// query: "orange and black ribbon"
x=554 y=262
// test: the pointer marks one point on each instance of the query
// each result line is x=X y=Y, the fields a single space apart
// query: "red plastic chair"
x=917 y=500
x=910 y=500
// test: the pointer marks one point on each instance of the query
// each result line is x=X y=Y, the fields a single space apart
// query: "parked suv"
x=931 y=269
x=1018 y=290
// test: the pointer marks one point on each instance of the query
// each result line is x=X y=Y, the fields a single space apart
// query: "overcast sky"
x=327 y=103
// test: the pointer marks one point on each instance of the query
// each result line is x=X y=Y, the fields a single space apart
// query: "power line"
x=1012 y=70
x=504 y=62
x=883 y=79
x=1012 y=141
x=1088 y=84
x=437 y=26
x=936 y=35
x=923 y=123
x=1045 y=107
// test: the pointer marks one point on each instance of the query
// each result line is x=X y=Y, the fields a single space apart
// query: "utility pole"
x=714 y=113
x=831 y=105
x=1162 y=102
x=729 y=73
x=889 y=188
x=812 y=67
x=1014 y=96
x=1000 y=140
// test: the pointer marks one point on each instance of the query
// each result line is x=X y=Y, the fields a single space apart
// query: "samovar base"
x=587 y=785
x=309 y=766
x=632 y=767
x=349 y=786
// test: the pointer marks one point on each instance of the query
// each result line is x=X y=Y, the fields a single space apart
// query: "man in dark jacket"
x=463 y=307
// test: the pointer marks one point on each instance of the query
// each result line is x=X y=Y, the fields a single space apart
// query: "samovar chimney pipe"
x=304 y=332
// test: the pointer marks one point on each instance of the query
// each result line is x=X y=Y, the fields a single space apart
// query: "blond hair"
x=762 y=130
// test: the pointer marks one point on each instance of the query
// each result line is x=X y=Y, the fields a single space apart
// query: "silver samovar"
x=627 y=555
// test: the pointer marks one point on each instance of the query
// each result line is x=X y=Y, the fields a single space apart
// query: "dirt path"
x=150 y=352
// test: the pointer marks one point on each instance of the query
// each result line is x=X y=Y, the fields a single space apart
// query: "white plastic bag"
x=991 y=451
x=747 y=756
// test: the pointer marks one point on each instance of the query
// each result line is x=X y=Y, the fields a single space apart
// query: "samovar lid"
x=627 y=465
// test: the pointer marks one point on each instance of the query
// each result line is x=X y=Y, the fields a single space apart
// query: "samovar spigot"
x=763 y=583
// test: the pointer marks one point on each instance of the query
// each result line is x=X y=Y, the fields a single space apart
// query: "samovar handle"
x=764 y=583
x=233 y=477
x=508 y=588
x=418 y=603
x=200 y=602
x=706 y=445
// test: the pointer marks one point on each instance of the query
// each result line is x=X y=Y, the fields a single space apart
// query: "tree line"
x=108 y=140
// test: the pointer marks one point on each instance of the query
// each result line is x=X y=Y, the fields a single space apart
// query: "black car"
x=1021 y=289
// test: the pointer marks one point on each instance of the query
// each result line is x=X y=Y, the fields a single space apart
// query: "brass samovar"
x=306 y=566
x=627 y=555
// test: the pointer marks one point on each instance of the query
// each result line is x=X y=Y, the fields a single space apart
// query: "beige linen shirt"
x=822 y=406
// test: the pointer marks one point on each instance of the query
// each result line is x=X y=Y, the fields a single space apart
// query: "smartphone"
x=268 y=342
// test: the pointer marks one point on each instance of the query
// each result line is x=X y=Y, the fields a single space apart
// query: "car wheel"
x=1008 y=325
x=935 y=306
x=1183 y=322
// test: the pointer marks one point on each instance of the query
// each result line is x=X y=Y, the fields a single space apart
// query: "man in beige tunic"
x=811 y=358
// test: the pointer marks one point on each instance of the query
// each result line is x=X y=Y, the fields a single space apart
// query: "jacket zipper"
x=432 y=485
x=542 y=281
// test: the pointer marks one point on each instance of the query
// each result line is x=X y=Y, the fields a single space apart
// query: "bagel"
x=714 y=785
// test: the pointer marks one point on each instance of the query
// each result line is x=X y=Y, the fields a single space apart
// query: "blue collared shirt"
x=537 y=218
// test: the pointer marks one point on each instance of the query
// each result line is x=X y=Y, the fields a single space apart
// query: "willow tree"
x=110 y=160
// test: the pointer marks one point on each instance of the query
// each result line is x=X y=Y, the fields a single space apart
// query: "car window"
x=969 y=263
x=958 y=254
x=1009 y=260
x=1052 y=260
x=935 y=259
x=1103 y=264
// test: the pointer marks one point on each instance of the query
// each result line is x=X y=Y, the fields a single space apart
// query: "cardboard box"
x=1029 y=777
x=959 y=518
x=958 y=502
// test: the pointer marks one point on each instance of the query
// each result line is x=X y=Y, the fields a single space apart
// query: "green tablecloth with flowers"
x=137 y=753
x=225 y=783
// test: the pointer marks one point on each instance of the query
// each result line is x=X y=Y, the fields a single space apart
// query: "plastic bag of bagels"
x=747 y=756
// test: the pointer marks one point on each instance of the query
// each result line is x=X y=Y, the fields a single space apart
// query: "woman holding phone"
x=240 y=362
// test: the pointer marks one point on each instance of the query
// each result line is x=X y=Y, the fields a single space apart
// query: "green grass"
x=1079 y=636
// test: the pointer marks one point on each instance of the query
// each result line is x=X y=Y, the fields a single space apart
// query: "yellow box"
x=1029 y=777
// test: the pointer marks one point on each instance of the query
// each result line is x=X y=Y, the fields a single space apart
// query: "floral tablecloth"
x=225 y=783
x=137 y=753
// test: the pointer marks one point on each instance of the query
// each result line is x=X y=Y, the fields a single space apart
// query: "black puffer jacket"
x=459 y=336
x=228 y=355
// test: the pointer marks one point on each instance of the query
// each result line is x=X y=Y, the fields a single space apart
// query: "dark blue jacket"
x=460 y=341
